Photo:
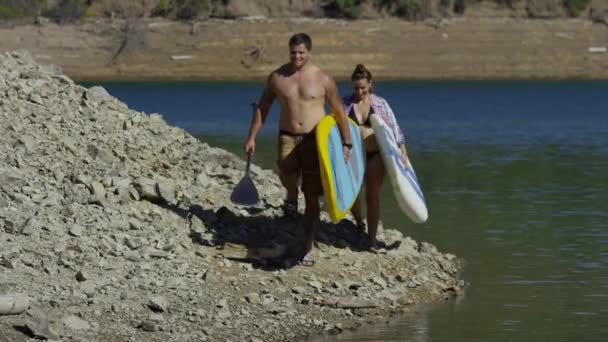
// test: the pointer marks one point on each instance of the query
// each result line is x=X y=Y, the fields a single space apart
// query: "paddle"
x=245 y=192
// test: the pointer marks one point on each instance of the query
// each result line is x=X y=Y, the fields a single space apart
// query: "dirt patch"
x=459 y=48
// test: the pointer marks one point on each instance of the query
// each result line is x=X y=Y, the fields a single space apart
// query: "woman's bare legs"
x=374 y=176
x=356 y=211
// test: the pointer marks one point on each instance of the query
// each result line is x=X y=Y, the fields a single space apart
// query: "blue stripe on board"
x=415 y=185
x=396 y=156
x=338 y=189
x=346 y=177
x=412 y=173
x=351 y=176
x=404 y=171
x=355 y=137
x=353 y=161
x=343 y=182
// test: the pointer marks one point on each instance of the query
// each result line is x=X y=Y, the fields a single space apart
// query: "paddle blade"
x=245 y=192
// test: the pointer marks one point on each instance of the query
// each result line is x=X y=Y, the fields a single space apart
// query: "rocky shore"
x=118 y=227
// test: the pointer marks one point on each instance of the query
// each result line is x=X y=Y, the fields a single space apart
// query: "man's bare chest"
x=300 y=90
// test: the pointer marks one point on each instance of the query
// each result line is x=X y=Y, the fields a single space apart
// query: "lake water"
x=515 y=175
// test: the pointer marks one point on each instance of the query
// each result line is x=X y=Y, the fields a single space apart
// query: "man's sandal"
x=307 y=260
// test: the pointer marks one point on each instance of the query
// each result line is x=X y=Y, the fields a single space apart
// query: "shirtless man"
x=301 y=89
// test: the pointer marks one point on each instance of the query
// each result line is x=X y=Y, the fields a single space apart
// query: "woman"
x=359 y=106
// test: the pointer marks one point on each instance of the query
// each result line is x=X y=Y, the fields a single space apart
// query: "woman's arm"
x=397 y=132
x=404 y=154
x=399 y=137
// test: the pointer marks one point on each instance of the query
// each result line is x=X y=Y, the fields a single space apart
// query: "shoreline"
x=95 y=81
x=118 y=226
x=459 y=48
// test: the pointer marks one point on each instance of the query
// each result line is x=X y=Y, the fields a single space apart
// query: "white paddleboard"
x=403 y=178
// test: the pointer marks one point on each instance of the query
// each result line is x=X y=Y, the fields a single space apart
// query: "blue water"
x=516 y=113
x=515 y=175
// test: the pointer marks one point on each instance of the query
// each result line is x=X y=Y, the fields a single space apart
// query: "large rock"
x=146 y=189
x=75 y=323
x=13 y=304
x=39 y=325
x=158 y=304
x=166 y=191
x=97 y=94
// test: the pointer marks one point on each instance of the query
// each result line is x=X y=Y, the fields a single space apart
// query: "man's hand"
x=249 y=147
x=346 y=152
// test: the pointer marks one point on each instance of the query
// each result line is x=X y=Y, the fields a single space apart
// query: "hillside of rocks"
x=115 y=226
x=70 y=10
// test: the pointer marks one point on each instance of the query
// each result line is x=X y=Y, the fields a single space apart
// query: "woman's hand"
x=404 y=156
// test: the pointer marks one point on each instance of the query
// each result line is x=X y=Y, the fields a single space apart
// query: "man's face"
x=299 y=55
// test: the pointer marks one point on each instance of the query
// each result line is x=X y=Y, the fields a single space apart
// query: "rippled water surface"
x=516 y=178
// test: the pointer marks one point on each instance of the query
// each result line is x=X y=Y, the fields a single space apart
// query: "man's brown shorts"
x=298 y=156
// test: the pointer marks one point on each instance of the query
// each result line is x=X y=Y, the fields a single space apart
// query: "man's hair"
x=300 y=38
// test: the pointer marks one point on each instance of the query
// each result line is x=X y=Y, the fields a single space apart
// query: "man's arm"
x=259 y=115
x=335 y=104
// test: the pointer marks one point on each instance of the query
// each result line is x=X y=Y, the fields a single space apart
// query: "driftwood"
x=13 y=304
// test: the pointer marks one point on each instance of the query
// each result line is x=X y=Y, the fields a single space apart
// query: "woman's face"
x=361 y=88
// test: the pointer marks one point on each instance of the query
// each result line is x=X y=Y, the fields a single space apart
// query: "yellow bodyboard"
x=341 y=181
